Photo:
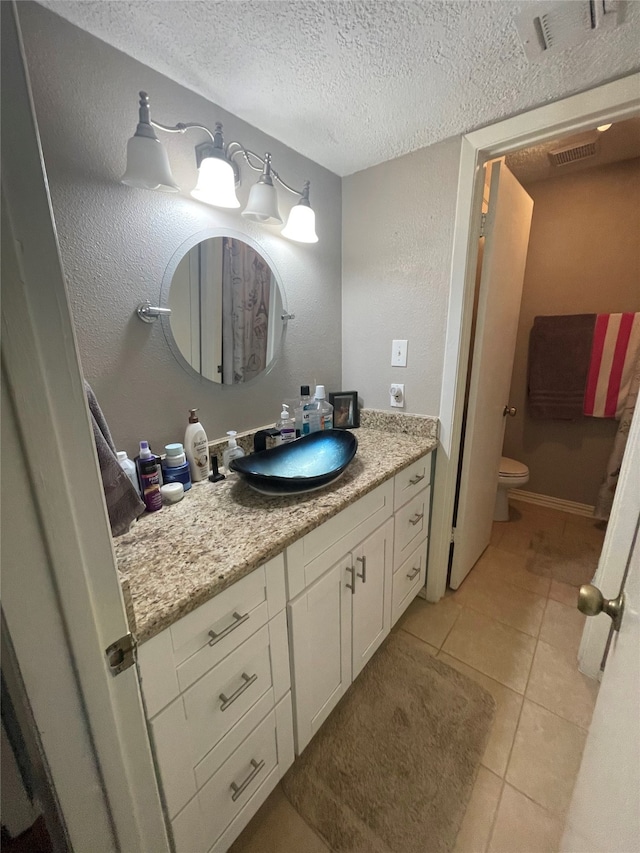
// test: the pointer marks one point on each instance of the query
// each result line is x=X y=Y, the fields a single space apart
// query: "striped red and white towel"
x=616 y=344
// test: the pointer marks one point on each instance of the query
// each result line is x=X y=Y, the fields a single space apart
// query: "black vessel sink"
x=310 y=462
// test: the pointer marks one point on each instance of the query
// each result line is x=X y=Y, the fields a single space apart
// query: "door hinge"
x=453 y=535
x=483 y=222
x=121 y=654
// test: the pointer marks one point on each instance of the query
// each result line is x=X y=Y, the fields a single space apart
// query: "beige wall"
x=396 y=265
x=117 y=242
x=584 y=257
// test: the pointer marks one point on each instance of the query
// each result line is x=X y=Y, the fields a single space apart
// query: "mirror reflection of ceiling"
x=353 y=84
x=620 y=142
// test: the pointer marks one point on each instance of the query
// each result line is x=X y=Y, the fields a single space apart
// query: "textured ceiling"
x=620 y=142
x=351 y=84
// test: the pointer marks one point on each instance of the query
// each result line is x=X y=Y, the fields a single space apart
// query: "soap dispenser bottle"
x=196 y=448
x=232 y=451
x=286 y=427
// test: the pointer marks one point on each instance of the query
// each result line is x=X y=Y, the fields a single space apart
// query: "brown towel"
x=123 y=504
x=559 y=354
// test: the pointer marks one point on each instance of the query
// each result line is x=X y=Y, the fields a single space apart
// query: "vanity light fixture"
x=218 y=175
x=603 y=127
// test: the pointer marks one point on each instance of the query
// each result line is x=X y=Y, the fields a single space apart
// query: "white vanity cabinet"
x=216 y=686
x=336 y=625
x=348 y=581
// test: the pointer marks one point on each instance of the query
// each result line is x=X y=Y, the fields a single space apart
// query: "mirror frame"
x=178 y=255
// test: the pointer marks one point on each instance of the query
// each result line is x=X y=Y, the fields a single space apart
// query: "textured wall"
x=116 y=241
x=396 y=265
x=583 y=257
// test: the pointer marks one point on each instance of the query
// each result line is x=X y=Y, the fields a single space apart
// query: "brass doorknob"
x=509 y=410
x=591 y=602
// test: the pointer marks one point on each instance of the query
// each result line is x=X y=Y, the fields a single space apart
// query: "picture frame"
x=346 y=414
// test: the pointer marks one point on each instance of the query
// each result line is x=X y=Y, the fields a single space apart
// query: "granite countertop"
x=174 y=560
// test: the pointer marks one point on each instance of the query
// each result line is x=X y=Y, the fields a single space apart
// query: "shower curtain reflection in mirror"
x=246 y=290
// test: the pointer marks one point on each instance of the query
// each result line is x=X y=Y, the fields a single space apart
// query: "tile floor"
x=517 y=635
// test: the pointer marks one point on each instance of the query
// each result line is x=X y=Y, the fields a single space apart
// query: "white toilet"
x=512 y=475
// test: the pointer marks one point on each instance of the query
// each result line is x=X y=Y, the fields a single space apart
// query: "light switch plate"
x=399 y=354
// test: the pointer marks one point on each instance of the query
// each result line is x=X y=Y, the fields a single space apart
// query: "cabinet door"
x=320 y=626
x=373 y=561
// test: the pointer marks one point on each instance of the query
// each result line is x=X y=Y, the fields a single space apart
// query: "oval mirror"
x=226 y=306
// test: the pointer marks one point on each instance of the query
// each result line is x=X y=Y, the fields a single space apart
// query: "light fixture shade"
x=263 y=204
x=603 y=127
x=216 y=183
x=148 y=165
x=301 y=225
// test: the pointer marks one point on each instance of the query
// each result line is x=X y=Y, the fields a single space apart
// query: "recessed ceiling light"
x=603 y=127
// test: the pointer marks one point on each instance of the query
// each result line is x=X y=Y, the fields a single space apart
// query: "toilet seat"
x=512 y=468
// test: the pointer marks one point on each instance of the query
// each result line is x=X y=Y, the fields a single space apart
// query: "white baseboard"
x=551 y=502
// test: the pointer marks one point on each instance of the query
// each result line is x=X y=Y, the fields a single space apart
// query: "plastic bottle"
x=301 y=411
x=196 y=448
x=321 y=412
x=149 y=477
x=286 y=426
x=232 y=451
x=129 y=468
x=175 y=468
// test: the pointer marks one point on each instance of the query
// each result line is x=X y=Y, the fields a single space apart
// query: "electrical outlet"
x=396 y=394
x=399 y=353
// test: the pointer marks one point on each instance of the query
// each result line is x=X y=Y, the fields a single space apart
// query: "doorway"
x=612 y=102
x=581 y=261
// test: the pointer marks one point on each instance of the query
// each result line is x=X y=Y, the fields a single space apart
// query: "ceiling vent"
x=573 y=153
x=558 y=26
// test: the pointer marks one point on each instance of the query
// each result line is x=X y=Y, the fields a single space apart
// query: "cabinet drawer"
x=410 y=481
x=217 y=701
x=173 y=660
x=408 y=579
x=223 y=797
x=412 y=523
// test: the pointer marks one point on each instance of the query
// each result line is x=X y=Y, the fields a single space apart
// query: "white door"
x=320 y=626
x=61 y=597
x=605 y=810
x=505 y=253
x=372 y=599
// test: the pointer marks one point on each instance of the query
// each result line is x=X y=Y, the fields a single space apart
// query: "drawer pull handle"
x=238 y=790
x=247 y=681
x=238 y=620
x=352 y=585
x=362 y=560
x=414 y=480
x=414 y=573
x=416 y=518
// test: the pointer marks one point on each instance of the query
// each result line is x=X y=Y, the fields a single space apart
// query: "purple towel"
x=559 y=355
x=123 y=504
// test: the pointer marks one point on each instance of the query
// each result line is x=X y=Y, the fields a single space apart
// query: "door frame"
x=62 y=599
x=611 y=102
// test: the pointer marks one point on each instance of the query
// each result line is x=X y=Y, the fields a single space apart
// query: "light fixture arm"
x=182 y=128
x=235 y=148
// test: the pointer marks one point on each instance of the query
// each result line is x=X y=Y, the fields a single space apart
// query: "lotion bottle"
x=196 y=448
x=232 y=451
